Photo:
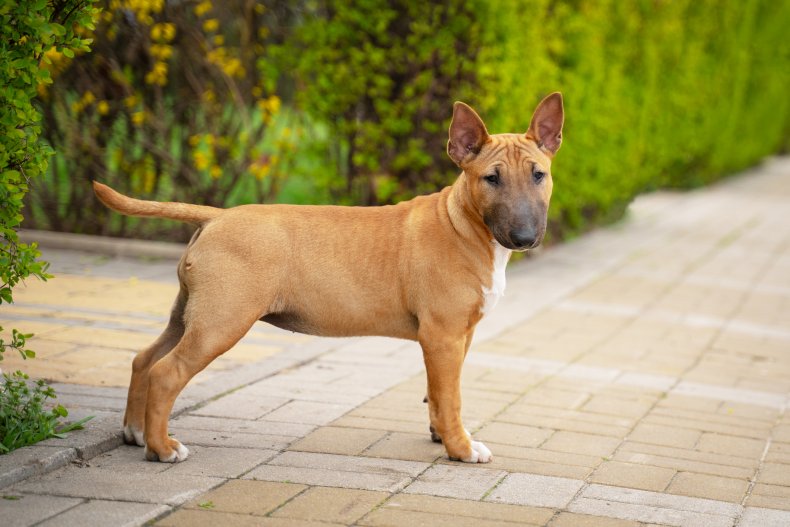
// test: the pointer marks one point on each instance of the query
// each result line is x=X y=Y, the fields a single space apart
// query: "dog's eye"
x=493 y=179
x=538 y=176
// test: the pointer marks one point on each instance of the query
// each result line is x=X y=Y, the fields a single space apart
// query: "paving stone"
x=213 y=438
x=570 y=519
x=331 y=505
x=290 y=430
x=775 y=473
x=728 y=460
x=32 y=460
x=577 y=443
x=390 y=517
x=664 y=435
x=240 y=406
x=247 y=497
x=473 y=509
x=210 y=518
x=337 y=440
x=221 y=462
x=307 y=412
x=339 y=471
x=511 y=434
x=535 y=491
x=20 y=510
x=632 y=475
x=685 y=465
x=454 y=481
x=707 y=486
x=532 y=466
x=120 y=513
x=96 y=483
x=390 y=425
x=757 y=517
x=409 y=447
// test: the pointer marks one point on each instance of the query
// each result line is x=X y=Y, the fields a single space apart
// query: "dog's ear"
x=546 y=125
x=468 y=134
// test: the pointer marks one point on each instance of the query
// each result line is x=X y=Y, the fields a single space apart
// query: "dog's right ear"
x=468 y=134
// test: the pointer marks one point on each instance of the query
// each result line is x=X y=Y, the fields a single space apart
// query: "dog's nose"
x=523 y=238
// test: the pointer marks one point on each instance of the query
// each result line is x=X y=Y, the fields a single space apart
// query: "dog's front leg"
x=444 y=357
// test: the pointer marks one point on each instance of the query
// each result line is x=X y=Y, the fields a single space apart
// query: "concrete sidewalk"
x=639 y=375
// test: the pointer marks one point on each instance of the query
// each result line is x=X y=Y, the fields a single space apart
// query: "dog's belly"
x=342 y=325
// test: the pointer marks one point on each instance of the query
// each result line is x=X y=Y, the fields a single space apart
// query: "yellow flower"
x=88 y=98
x=138 y=118
x=203 y=7
x=103 y=107
x=215 y=171
x=211 y=25
x=201 y=160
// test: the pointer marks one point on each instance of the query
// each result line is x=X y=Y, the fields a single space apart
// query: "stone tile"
x=535 y=491
x=291 y=430
x=240 y=406
x=337 y=505
x=684 y=465
x=339 y=471
x=247 y=497
x=633 y=476
x=409 y=447
x=228 y=439
x=456 y=481
x=472 y=509
x=512 y=434
x=337 y=440
x=307 y=412
x=22 y=510
x=757 y=517
x=775 y=474
x=578 y=443
x=617 y=495
x=533 y=466
x=390 y=425
x=390 y=517
x=619 y=406
x=738 y=446
x=570 y=519
x=96 y=483
x=221 y=462
x=707 y=486
x=210 y=518
x=630 y=447
x=119 y=513
x=31 y=460
x=665 y=435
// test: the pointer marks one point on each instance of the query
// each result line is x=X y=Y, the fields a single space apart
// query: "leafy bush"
x=24 y=418
x=657 y=93
x=28 y=30
x=170 y=106
x=383 y=74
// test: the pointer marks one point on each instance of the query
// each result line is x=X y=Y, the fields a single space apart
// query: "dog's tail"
x=197 y=214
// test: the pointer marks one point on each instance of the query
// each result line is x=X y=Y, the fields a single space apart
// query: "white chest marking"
x=492 y=295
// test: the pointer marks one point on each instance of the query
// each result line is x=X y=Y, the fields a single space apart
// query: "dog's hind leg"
x=214 y=321
x=134 y=418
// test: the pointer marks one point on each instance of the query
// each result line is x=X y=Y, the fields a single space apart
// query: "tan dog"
x=424 y=270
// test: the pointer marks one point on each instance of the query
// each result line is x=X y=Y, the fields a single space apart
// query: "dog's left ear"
x=546 y=125
x=468 y=134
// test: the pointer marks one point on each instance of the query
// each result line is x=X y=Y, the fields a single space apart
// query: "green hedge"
x=657 y=94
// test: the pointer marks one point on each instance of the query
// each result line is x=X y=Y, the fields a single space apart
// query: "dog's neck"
x=465 y=216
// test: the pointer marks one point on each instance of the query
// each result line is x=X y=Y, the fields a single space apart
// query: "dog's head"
x=508 y=176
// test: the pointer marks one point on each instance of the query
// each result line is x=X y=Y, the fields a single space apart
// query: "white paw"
x=179 y=454
x=133 y=436
x=480 y=454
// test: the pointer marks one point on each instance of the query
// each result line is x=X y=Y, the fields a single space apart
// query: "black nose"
x=522 y=238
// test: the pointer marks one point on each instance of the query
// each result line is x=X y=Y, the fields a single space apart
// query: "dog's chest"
x=491 y=295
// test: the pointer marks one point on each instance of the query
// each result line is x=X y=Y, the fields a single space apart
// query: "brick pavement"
x=639 y=375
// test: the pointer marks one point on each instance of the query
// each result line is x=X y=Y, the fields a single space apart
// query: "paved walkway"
x=639 y=375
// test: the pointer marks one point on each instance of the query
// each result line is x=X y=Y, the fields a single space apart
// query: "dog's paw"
x=480 y=454
x=133 y=436
x=178 y=452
